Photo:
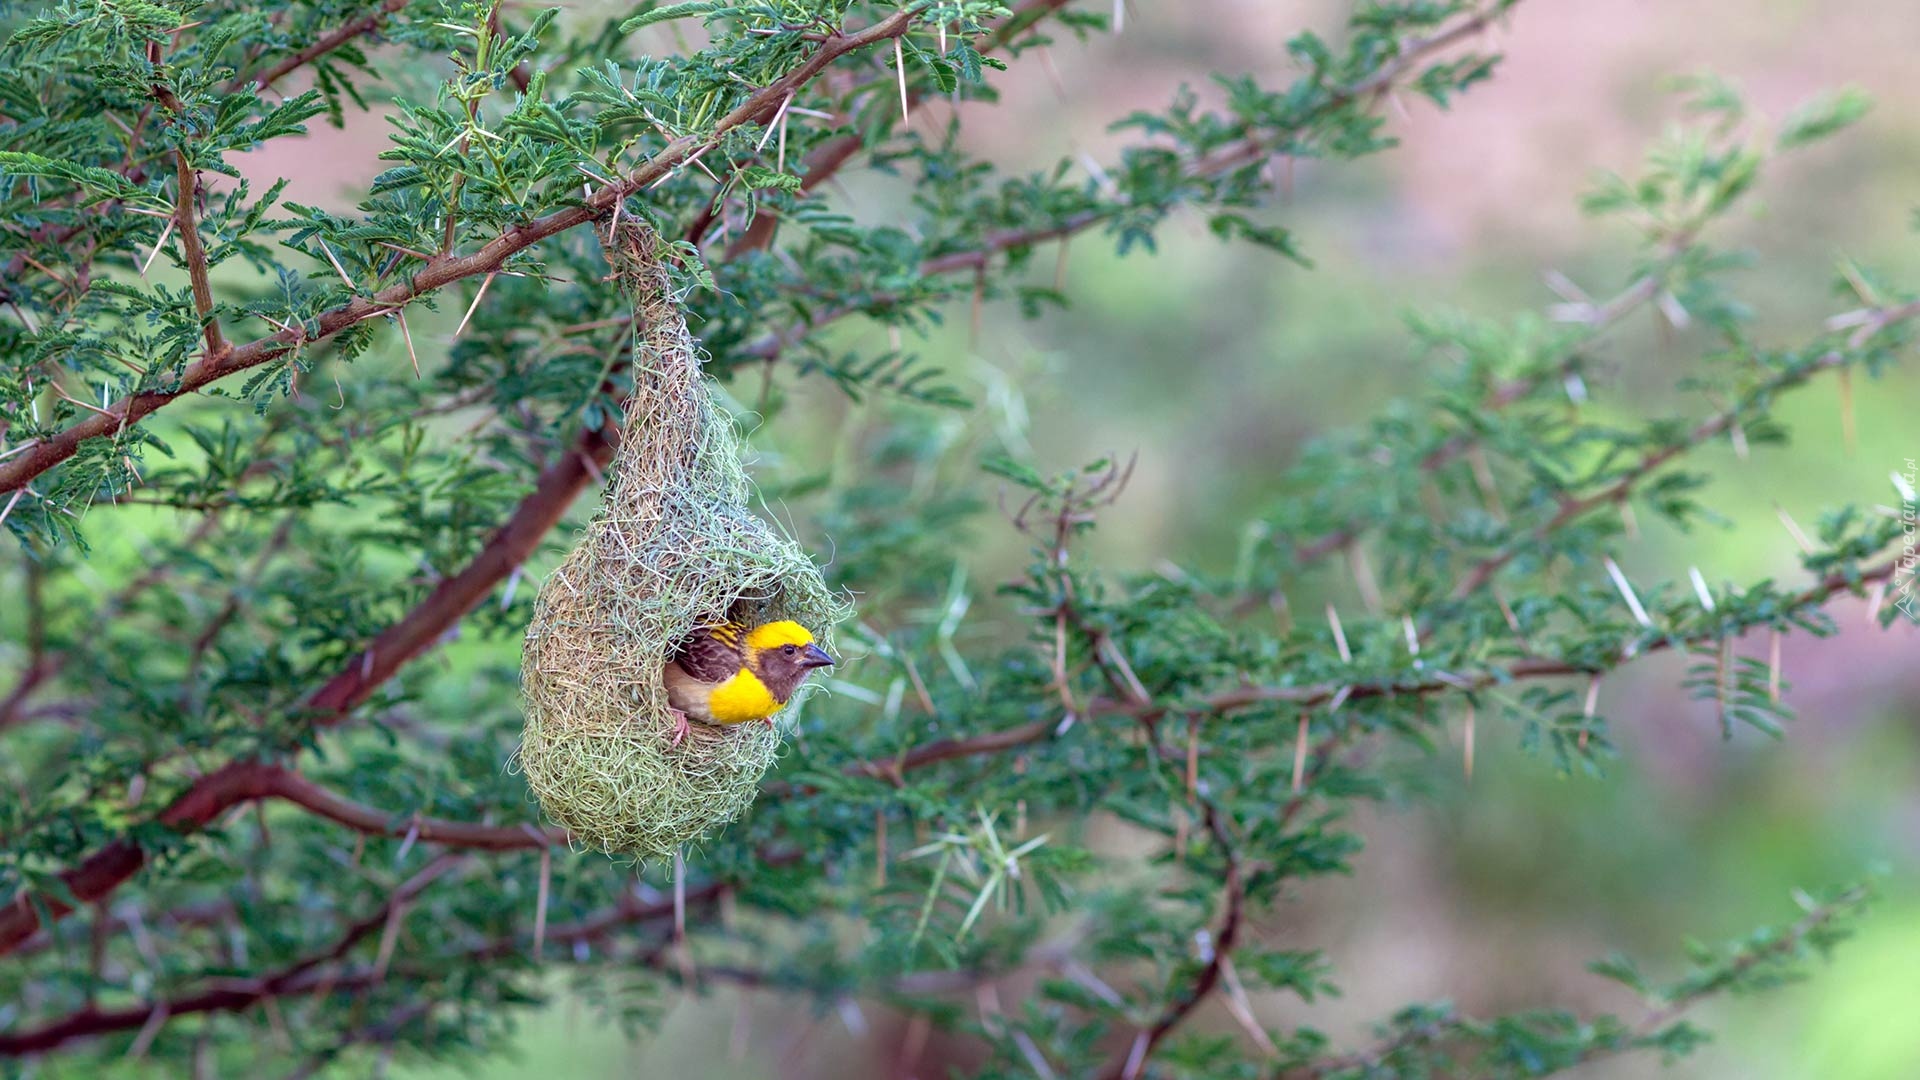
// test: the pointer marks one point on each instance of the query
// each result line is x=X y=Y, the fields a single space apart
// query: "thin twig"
x=365 y=24
x=488 y=259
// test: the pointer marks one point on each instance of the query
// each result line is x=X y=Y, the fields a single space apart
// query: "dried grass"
x=673 y=548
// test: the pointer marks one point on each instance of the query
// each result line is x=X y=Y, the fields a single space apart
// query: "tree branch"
x=553 y=494
x=292 y=787
x=49 y=664
x=1246 y=152
x=1650 y=1026
x=1317 y=694
x=1532 y=668
x=366 y=24
x=1601 y=318
x=1810 y=923
x=1149 y=1038
x=312 y=974
x=1622 y=486
x=234 y=995
x=834 y=153
x=187 y=179
x=215 y=793
x=22 y=468
x=826 y=159
x=13 y=706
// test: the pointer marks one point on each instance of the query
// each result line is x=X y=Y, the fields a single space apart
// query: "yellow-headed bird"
x=730 y=674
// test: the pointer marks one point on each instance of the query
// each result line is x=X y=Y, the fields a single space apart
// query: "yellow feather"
x=740 y=699
x=775 y=634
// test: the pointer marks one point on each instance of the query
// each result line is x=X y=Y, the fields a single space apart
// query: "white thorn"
x=1626 y=591
x=1700 y=588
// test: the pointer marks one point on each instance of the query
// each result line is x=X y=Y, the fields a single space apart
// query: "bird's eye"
x=788 y=649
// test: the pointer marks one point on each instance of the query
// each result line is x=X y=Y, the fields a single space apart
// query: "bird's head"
x=783 y=654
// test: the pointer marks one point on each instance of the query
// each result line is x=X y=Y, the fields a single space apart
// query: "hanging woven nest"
x=672 y=549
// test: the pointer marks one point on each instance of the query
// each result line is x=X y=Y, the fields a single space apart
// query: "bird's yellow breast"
x=740 y=699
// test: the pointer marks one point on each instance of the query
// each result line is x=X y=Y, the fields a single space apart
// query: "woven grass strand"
x=673 y=547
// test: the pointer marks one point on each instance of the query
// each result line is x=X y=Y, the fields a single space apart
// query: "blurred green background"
x=1215 y=363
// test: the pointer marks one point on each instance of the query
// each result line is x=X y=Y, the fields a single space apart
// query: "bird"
x=730 y=673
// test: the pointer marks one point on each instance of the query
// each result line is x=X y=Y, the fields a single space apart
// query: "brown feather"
x=714 y=654
x=711 y=655
x=781 y=679
x=708 y=657
x=688 y=694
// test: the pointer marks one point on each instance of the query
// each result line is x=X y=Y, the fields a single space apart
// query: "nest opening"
x=672 y=548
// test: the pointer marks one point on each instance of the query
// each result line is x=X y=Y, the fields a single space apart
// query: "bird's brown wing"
x=708 y=656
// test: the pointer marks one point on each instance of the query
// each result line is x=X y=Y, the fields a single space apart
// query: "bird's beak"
x=814 y=656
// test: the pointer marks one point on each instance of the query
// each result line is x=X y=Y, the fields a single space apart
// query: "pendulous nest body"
x=673 y=548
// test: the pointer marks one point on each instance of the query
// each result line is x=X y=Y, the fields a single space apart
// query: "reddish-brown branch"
x=315 y=973
x=187 y=181
x=1223 y=941
x=1536 y=668
x=198 y=271
x=232 y=995
x=48 y=452
x=1648 y=1027
x=366 y=24
x=245 y=782
x=553 y=493
x=1075 y=506
x=12 y=707
x=1315 y=694
x=1007 y=239
x=214 y=794
x=208 y=798
x=949 y=749
x=454 y=597
x=834 y=152
x=312 y=974
x=57 y=448
x=306 y=794
x=258 y=781
x=827 y=158
x=1622 y=486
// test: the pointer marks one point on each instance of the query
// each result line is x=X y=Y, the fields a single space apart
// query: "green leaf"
x=101 y=184
x=1823 y=116
x=761 y=178
x=671 y=11
x=1233 y=226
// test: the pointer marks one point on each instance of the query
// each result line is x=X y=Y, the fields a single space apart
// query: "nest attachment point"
x=673 y=548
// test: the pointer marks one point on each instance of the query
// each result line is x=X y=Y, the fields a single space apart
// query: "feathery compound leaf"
x=1823 y=116
x=760 y=178
x=670 y=11
x=325 y=449
x=98 y=183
